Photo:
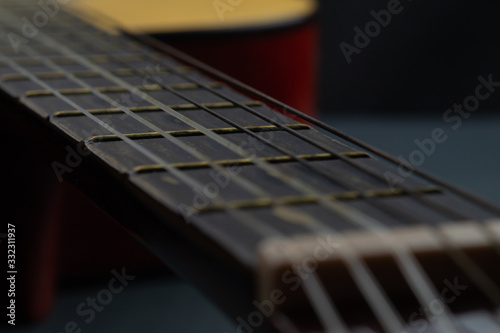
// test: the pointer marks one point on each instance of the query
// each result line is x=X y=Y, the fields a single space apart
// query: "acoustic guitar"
x=288 y=224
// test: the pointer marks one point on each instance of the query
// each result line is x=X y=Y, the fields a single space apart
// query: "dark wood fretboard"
x=221 y=166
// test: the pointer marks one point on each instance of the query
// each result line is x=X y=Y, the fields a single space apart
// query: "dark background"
x=428 y=57
x=398 y=88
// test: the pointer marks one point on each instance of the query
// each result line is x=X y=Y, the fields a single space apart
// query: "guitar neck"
x=188 y=160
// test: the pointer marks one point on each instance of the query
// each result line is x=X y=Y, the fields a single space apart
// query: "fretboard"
x=224 y=164
x=72 y=69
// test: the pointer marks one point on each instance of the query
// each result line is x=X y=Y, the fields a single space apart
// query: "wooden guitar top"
x=153 y=16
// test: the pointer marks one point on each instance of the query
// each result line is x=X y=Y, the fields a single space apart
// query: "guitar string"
x=326 y=311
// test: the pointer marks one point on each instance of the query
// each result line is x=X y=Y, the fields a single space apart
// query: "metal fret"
x=227 y=130
x=96 y=58
x=246 y=161
x=57 y=75
x=298 y=200
x=177 y=107
x=152 y=87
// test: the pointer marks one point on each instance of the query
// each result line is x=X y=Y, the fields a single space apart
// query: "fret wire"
x=85 y=91
x=246 y=161
x=58 y=75
x=297 y=200
x=173 y=52
x=476 y=274
x=250 y=187
x=179 y=133
x=149 y=108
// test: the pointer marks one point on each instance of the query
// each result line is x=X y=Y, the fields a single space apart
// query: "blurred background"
x=426 y=59
x=398 y=88
x=394 y=91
